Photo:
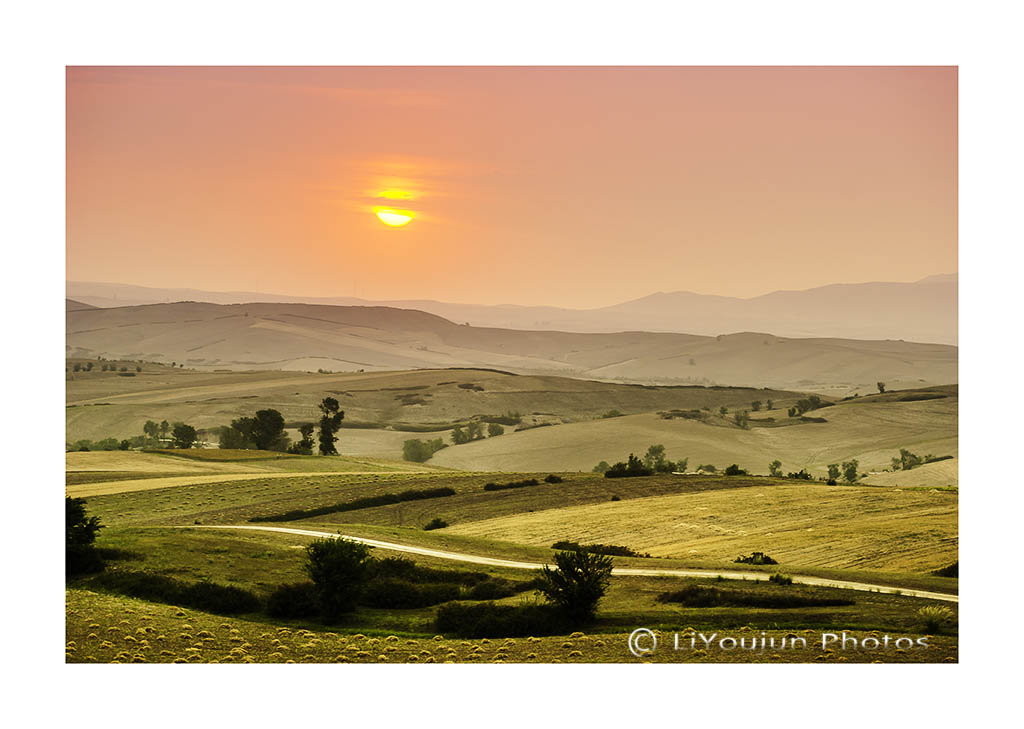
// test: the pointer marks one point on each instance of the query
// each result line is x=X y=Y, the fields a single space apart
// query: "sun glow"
x=394 y=218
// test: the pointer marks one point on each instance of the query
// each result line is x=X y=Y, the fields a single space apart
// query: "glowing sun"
x=394 y=218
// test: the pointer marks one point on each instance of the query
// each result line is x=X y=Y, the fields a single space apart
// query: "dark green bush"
x=952 y=570
x=552 y=478
x=614 y=550
x=702 y=596
x=489 y=620
x=207 y=596
x=577 y=583
x=339 y=568
x=403 y=595
x=633 y=467
x=781 y=579
x=80 y=555
x=511 y=485
x=297 y=600
x=435 y=523
x=735 y=470
x=755 y=558
x=363 y=503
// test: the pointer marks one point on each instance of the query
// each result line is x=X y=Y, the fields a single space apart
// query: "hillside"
x=870 y=431
x=308 y=337
x=104 y=404
x=921 y=311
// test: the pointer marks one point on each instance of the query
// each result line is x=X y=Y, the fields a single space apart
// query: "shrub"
x=420 y=451
x=706 y=596
x=801 y=474
x=613 y=550
x=494 y=429
x=578 y=582
x=511 y=485
x=489 y=620
x=933 y=616
x=219 y=599
x=298 y=600
x=552 y=478
x=402 y=595
x=80 y=555
x=735 y=470
x=339 y=569
x=755 y=558
x=952 y=570
x=781 y=579
x=206 y=596
x=601 y=467
x=616 y=497
x=356 y=504
x=492 y=590
x=633 y=467
x=435 y=523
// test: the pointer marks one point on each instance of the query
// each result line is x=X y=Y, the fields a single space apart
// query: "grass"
x=798 y=524
x=104 y=628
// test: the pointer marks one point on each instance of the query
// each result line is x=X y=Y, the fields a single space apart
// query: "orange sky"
x=568 y=186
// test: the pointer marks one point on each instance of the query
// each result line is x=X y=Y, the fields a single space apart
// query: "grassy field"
x=112 y=472
x=806 y=524
x=106 y=629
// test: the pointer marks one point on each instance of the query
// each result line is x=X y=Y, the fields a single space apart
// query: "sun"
x=394 y=218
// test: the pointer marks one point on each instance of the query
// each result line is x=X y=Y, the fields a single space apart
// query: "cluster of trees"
x=756 y=405
x=265 y=431
x=849 y=471
x=811 y=402
x=475 y=431
x=420 y=451
x=654 y=461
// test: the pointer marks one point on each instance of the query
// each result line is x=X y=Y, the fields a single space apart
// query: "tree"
x=908 y=460
x=742 y=419
x=601 y=467
x=76 y=367
x=833 y=471
x=769 y=405
x=881 y=386
x=723 y=410
x=80 y=555
x=633 y=467
x=339 y=569
x=735 y=470
x=850 y=470
x=494 y=429
x=459 y=435
x=88 y=366
x=577 y=584
x=164 y=428
x=420 y=451
x=151 y=430
x=755 y=406
x=330 y=423
x=775 y=468
x=184 y=435
x=654 y=459
x=305 y=445
x=268 y=431
x=475 y=431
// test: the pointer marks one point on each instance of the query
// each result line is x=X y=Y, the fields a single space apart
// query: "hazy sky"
x=566 y=186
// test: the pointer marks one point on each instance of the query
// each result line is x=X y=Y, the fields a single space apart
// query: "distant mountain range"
x=922 y=311
x=345 y=338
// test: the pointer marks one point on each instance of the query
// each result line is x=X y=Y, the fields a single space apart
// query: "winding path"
x=629 y=571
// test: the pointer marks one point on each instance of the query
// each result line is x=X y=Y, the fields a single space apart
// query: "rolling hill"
x=308 y=337
x=921 y=311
